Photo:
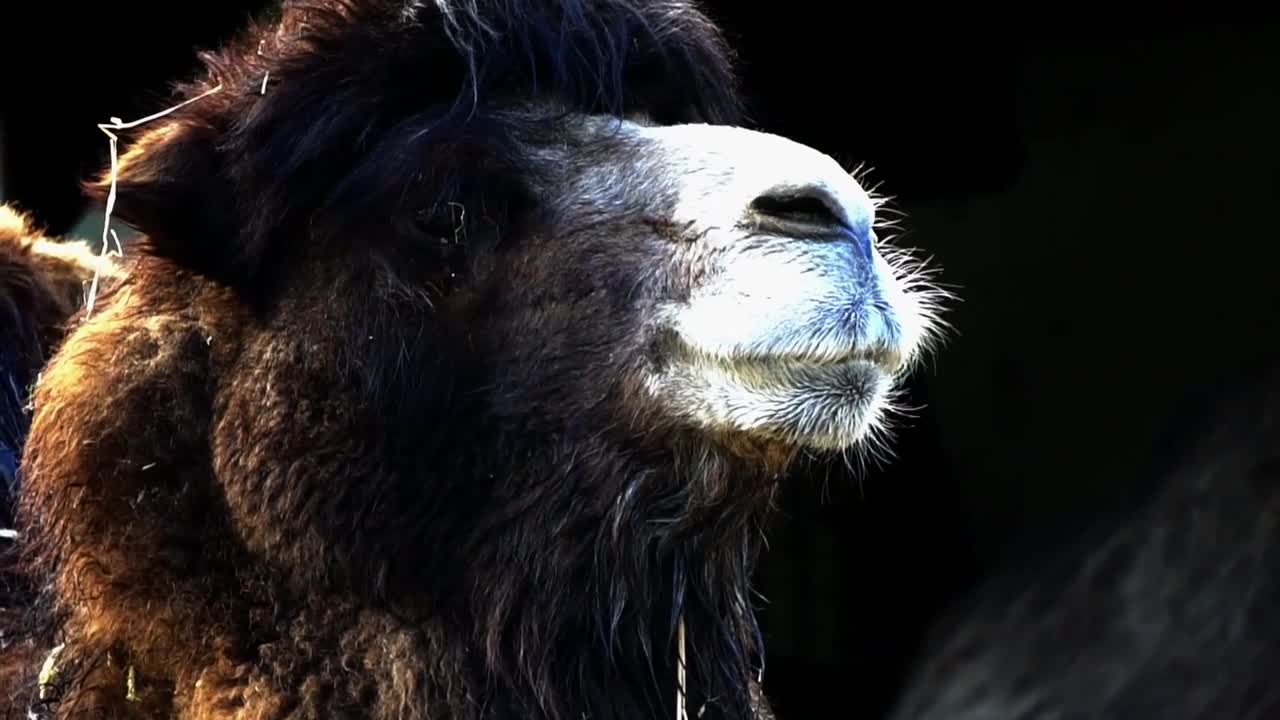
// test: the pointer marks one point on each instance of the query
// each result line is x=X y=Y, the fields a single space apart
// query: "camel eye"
x=437 y=226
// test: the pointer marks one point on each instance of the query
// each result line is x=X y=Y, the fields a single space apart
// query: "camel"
x=453 y=375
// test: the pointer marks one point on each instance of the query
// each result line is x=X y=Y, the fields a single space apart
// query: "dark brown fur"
x=323 y=453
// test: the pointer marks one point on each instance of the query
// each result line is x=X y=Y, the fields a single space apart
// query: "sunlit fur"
x=41 y=284
x=397 y=412
x=42 y=281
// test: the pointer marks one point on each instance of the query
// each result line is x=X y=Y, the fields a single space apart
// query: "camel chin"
x=795 y=341
x=818 y=406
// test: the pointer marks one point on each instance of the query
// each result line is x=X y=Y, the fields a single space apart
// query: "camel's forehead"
x=717 y=149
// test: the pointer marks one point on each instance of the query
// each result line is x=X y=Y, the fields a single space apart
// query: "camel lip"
x=884 y=359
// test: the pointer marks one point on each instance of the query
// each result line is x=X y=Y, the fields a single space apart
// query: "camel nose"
x=811 y=212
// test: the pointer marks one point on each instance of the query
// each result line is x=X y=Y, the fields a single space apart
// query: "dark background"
x=1105 y=197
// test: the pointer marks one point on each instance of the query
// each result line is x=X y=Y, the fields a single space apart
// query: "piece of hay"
x=107 y=128
x=131 y=686
x=682 y=712
x=49 y=670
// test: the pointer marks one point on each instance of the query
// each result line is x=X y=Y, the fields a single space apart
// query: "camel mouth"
x=854 y=378
x=821 y=354
x=822 y=401
x=886 y=360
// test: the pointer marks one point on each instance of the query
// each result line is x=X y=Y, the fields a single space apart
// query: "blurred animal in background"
x=1166 y=610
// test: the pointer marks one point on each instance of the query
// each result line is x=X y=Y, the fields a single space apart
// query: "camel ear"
x=171 y=185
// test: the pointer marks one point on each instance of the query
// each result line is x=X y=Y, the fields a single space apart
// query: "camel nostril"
x=800 y=212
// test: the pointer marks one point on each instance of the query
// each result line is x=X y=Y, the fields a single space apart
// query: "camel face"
x=767 y=306
x=453 y=371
